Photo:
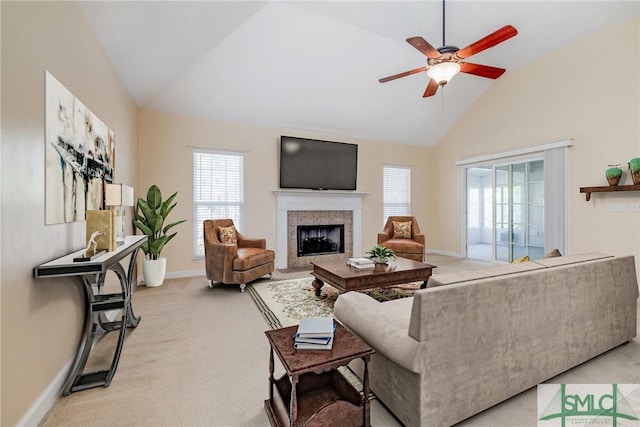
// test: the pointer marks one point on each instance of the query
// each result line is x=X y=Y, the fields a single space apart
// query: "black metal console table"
x=92 y=273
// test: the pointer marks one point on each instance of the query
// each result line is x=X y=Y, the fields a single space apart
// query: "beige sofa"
x=471 y=340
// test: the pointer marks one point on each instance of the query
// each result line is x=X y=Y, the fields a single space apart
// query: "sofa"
x=473 y=339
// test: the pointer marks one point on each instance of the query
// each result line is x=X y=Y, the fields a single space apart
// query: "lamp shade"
x=443 y=72
x=118 y=195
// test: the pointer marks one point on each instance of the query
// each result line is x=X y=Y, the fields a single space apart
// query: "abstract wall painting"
x=79 y=155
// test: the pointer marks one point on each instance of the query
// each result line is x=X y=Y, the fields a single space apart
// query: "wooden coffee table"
x=346 y=278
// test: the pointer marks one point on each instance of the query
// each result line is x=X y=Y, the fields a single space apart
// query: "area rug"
x=284 y=302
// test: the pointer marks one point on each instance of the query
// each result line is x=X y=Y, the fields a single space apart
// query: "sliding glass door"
x=505 y=211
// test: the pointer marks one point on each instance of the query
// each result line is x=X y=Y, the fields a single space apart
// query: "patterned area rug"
x=285 y=302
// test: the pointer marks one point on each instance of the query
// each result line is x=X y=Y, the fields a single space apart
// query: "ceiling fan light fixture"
x=443 y=72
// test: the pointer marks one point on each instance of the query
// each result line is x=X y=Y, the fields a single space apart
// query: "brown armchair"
x=239 y=263
x=411 y=247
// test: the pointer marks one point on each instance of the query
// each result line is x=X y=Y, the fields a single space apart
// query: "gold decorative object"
x=101 y=230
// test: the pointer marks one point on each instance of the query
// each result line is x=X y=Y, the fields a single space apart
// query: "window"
x=522 y=205
x=396 y=191
x=217 y=191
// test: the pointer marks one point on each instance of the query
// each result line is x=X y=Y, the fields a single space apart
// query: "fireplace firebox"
x=320 y=239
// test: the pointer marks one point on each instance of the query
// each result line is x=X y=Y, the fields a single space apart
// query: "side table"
x=92 y=273
x=312 y=392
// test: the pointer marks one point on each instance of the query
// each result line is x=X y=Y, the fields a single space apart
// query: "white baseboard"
x=47 y=399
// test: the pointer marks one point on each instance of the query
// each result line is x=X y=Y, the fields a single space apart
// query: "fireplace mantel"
x=310 y=200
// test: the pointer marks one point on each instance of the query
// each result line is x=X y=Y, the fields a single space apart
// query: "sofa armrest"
x=383 y=237
x=244 y=242
x=383 y=326
x=219 y=260
x=419 y=238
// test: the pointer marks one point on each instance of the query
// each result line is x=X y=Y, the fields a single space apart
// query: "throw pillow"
x=228 y=235
x=554 y=253
x=402 y=230
x=521 y=259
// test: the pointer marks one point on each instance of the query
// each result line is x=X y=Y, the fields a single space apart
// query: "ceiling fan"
x=447 y=61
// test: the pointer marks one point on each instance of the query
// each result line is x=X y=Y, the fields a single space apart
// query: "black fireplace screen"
x=320 y=239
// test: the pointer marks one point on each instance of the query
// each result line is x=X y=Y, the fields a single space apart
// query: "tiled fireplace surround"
x=303 y=207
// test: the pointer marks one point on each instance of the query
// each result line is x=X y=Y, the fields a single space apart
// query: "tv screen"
x=318 y=165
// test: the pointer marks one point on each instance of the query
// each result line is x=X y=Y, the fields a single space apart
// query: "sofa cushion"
x=521 y=259
x=404 y=245
x=227 y=235
x=491 y=271
x=570 y=259
x=402 y=230
x=248 y=258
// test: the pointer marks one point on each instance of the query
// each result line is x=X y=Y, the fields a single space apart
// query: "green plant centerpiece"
x=381 y=255
x=150 y=217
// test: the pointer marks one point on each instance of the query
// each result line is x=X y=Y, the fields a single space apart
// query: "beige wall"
x=42 y=319
x=560 y=96
x=166 y=160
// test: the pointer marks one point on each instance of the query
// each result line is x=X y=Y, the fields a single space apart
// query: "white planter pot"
x=153 y=271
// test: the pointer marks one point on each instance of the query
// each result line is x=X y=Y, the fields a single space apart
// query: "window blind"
x=396 y=191
x=217 y=191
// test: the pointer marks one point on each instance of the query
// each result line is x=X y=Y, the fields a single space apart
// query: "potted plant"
x=380 y=255
x=613 y=174
x=150 y=217
x=634 y=168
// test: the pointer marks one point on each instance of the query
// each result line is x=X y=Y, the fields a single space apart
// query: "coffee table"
x=346 y=278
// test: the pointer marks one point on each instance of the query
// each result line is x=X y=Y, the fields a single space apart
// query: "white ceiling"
x=315 y=65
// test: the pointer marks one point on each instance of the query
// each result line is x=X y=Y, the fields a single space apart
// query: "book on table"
x=314 y=333
x=360 y=262
x=310 y=346
x=317 y=340
x=315 y=327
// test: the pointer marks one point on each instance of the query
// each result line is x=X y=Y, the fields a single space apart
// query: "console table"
x=92 y=274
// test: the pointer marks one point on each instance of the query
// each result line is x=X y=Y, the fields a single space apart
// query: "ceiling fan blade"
x=432 y=88
x=423 y=46
x=491 y=40
x=481 y=70
x=406 y=73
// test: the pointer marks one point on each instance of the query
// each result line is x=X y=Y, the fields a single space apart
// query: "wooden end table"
x=346 y=278
x=312 y=391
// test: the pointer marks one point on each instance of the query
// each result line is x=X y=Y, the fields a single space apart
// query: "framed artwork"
x=79 y=156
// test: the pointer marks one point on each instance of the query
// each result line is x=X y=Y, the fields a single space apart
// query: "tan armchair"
x=411 y=247
x=239 y=263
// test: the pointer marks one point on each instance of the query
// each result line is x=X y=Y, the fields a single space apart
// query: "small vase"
x=153 y=271
x=380 y=266
x=613 y=175
x=634 y=169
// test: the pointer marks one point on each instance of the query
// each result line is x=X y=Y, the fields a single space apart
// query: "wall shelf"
x=607 y=189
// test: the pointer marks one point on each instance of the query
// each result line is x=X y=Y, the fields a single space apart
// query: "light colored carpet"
x=200 y=358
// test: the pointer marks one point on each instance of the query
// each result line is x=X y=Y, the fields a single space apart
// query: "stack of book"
x=360 y=262
x=314 y=333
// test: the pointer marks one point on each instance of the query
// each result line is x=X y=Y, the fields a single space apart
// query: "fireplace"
x=306 y=207
x=320 y=239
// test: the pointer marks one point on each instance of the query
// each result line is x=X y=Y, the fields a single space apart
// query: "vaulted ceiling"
x=315 y=65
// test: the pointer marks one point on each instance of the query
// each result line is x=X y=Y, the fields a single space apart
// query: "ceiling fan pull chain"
x=443 y=21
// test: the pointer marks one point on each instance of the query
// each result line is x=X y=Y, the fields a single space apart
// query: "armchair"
x=409 y=245
x=232 y=262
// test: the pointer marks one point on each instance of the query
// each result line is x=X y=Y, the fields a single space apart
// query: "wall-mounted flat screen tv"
x=317 y=165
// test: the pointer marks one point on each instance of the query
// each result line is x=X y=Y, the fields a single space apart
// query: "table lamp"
x=117 y=196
